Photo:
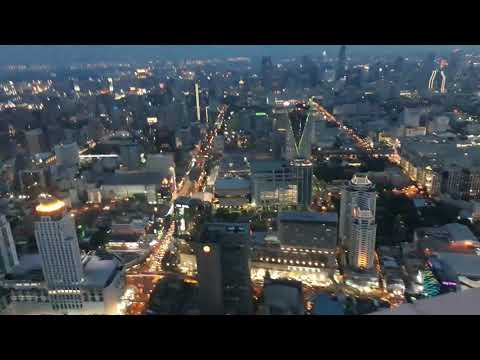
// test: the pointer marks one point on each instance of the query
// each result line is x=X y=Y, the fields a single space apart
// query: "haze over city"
x=63 y=54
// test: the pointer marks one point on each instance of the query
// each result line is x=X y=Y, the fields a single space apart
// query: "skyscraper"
x=304 y=174
x=35 y=141
x=223 y=269
x=427 y=68
x=357 y=229
x=267 y=73
x=67 y=154
x=8 y=253
x=438 y=83
x=57 y=242
x=197 y=100
x=341 y=63
x=130 y=155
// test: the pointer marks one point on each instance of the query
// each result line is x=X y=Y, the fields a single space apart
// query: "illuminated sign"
x=152 y=120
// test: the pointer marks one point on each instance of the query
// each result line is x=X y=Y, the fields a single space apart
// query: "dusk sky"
x=64 y=54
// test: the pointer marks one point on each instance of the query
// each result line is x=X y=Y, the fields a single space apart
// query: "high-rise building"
x=273 y=183
x=222 y=253
x=341 y=63
x=67 y=154
x=35 y=141
x=267 y=73
x=57 y=242
x=454 y=63
x=438 y=79
x=110 y=84
x=363 y=234
x=428 y=66
x=130 y=155
x=282 y=124
x=197 y=100
x=304 y=174
x=357 y=228
x=8 y=253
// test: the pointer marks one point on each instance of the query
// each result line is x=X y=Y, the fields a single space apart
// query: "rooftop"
x=133 y=178
x=49 y=205
x=361 y=179
x=232 y=184
x=460 y=232
x=458 y=303
x=326 y=305
x=98 y=271
x=462 y=264
x=267 y=165
x=305 y=216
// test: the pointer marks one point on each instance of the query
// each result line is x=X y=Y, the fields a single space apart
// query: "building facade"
x=8 y=252
x=357 y=228
x=57 y=242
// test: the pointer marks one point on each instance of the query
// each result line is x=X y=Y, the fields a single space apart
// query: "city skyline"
x=66 y=54
x=239 y=180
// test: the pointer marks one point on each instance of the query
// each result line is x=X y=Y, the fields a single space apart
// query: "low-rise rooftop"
x=305 y=216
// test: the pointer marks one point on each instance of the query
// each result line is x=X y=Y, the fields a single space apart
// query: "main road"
x=362 y=144
x=142 y=278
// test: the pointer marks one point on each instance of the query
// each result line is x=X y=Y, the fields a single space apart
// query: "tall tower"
x=342 y=62
x=110 y=84
x=304 y=174
x=197 y=100
x=8 y=253
x=61 y=262
x=223 y=252
x=441 y=80
x=267 y=73
x=357 y=228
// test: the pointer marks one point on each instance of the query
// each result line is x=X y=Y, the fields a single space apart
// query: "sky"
x=65 y=54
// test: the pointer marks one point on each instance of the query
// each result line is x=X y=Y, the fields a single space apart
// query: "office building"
x=130 y=155
x=304 y=174
x=362 y=237
x=57 y=242
x=438 y=79
x=340 y=70
x=267 y=73
x=197 y=100
x=232 y=193
x=222 y=252
x=101 y=289
x=162 y=163
x=110 y=84
x=8 y=252
x=274 y=183
x=357 y=228
x=35 y=141
x=67 y=154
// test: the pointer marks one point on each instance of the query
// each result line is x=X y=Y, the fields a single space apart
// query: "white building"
x=8 y=253
x=357 y=229
x=101 y=290
x=58 y=246
x=362 y=238
x=67 y=154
